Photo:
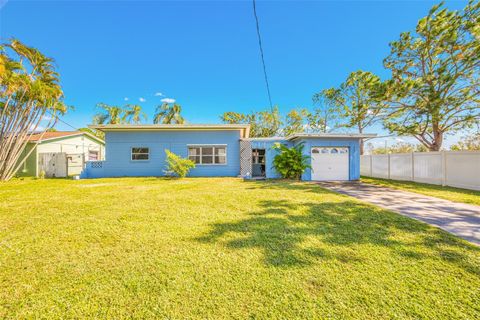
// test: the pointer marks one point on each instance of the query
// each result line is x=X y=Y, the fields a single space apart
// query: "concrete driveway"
x=460 y=219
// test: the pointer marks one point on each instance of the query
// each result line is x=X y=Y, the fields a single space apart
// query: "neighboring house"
x=60 y=153
x=220 y=150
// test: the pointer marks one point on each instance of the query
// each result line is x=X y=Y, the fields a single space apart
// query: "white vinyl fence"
x=447 y=168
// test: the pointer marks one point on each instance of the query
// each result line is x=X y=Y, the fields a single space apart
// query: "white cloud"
x=158 y=94
x=168 y=100
x=37 y=129
x=126 y=98
x=142 y=99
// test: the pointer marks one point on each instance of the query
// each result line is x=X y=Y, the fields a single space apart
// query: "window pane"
x=220 y=159
x=193 y=151
x=220 y=151
x=139 y=150
x=195 y=159
x=206 y=159
x=207 y=150
x=140 y=156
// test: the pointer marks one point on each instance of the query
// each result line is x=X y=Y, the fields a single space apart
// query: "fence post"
x=413 y=165
x=444 y=167
x=388 y=159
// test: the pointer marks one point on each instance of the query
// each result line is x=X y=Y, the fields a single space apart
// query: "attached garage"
x=333 y=156
x=330 y=163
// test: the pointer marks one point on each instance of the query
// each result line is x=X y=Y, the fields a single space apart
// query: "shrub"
x=290 y=162
x=178 y=166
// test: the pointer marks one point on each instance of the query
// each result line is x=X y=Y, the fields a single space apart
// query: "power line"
x=261 y=54
x=57 y=118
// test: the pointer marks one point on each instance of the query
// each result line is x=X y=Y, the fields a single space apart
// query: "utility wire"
x=261 y=54
x=57 y=118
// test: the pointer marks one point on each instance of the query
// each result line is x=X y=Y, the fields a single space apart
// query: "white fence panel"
x=380 y=166
x=453 y=168
x=365 y=165
x=401 y=166
x=463 y=169
x=428 y=167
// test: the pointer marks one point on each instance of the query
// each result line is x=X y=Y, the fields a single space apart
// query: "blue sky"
x=205 y=54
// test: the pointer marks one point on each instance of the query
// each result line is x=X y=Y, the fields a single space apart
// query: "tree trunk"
x=437 y=139
x=360 y=130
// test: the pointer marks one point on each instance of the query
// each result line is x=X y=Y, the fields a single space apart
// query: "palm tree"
x=134 y=113
x=29 y=91
x=109 y=114
x=168 y=114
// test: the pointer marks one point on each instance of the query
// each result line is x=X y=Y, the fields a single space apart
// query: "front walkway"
x=460 y=219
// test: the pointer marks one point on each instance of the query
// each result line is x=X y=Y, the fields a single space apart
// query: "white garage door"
x=330 y=163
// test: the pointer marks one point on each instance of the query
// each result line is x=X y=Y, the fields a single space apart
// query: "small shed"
x=60 y=153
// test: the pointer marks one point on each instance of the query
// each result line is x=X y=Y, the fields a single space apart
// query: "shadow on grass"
x=282 y=226
x=415 y=186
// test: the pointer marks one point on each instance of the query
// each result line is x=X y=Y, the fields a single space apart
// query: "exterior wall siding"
x=119 y=143
x=29 y=167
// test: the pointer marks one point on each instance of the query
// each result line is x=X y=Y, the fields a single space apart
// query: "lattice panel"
x=97 y=164
x=245 y=158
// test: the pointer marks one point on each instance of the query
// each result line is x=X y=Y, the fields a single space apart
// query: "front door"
x=258 y=162
x=330 y=163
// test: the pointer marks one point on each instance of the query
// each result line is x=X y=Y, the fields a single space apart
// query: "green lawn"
x=448 y=193
x=222 y=248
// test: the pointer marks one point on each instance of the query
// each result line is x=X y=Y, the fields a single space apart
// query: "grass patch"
x=222 y=248
x=448 y=193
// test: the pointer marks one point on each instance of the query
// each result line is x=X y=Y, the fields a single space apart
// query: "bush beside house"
x=291 y=163
x=177 y=166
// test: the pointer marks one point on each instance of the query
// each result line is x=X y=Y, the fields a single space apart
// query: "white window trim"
x=139 y=160
x=213 y=154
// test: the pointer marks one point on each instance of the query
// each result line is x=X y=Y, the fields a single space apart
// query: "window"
x=330 y=150
x=194 y=154
x=221 y=155
x=92 y=155
x=140 y=154
x=258 y=156
x=208 y=154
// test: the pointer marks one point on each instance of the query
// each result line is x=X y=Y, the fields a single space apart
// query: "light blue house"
x=220 y=150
